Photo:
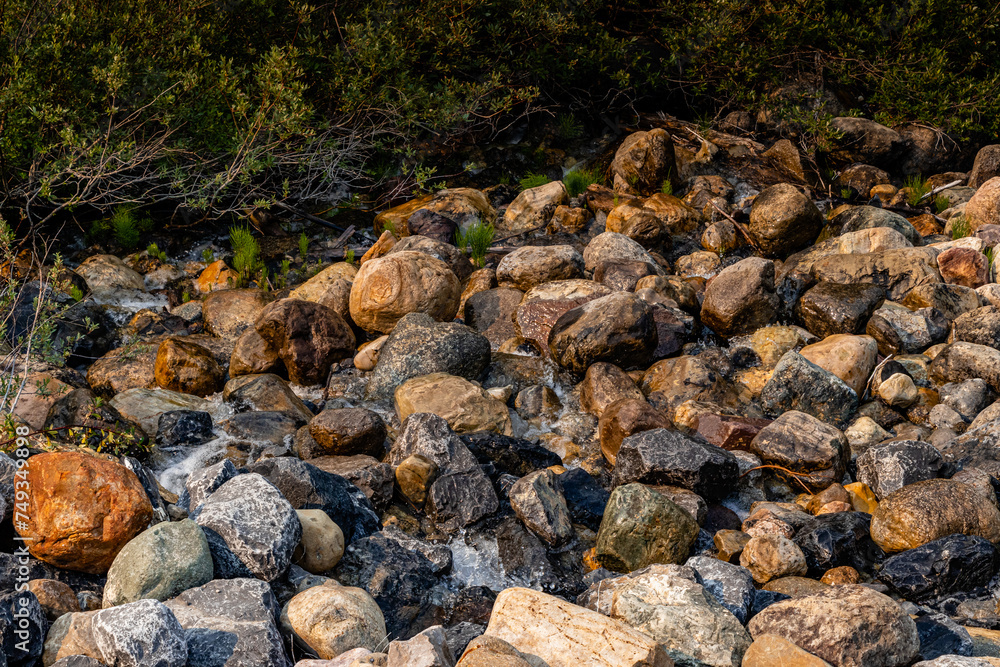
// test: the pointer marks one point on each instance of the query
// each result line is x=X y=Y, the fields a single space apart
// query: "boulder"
x=769 y=557
x=984 y=207
x=325 y=287
x=642 y=527
x=863 y=140
x=874 y=219
x=533 y=207
x=662 y=456
x=23 y=627
x=944 y=566
x=456 y=260
x=644 y=161
x=783 y=220
x=427 y=649
x=831 y=308
x=107 y=272
x=605 y=384
x=529 y=266
x=491 y=313
x=890 y=466
x=486 y=651
x=618 y=329
x=951 y=300
x=542 y=306
x=741 y=299
x=466 y=407
x=898 y=330
x=980 y=326
x=800 y=385
x=332 y=619
x=624 y=418
x=140 y=633
x=148 y=406
x=322 y=543
x=389 y=287
x=848 y=626
x=964 y=266
x=896 y=271
x=614 y=247
x=187 y=368
x=767 y=650
x=346 y=431
x=82 y=510
x=817 y=452
x=307 y=337
x=229 y=313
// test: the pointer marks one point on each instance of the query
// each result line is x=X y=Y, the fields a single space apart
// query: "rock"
x=55 y=597
x=832 y=625
x=896 y=271
x=830 y=308
x=107 y=272
x=534 y=207
x=463 y=206
x=543 y=305
x=618 y=329
x=836 y=539
x=968 y=398
x=729 y=432
x=70 y=635
x=305 y=486
x=140 y=633
x=863 y=140
x=529 y=266
x=317 y=288
x=228 y=314
x=491 y=313
x=669 y=604
x=456 y=260
x=783 y=220
x=770 y=649
x=266 y=427
x=984 y=207
x=964 y=266
x=248 y=519
x=927 y=510
x=898 y=391
x=862 y=177
x=420 y=346
x=331 y=620
x=642 y=527
x=947 y=565
x=231 y=622
x=980 y=326
x=374 y=478
x=322 y=543
x=585 y=498
x=731 y=585
x=614 y=247
x=941 y=636
x=346 y=431
x=388 y=288
x=414 y=476
x=159 y=563
x=187 y=368
x=951 y=300
x=964 y=361
x=465 y=406
x=643 y=161
x=603 y=385
x=562 y=634
x=264 y=393
x=122 y=369
x=540 y=505
x=850 y=358
x=798 y=384
x=427 y=649
x=741 y=299
x=22 y=626
x=486 y=651
x=817 y=452
x=81 y=510
x=985 y=166
x=890 y=466
x=461 y=494
x=771 y=556
x=879 y=224
x=308 y=338
x=624 y=418
x=147 y=406
x=662 y=456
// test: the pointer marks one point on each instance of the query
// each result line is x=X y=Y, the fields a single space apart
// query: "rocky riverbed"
x=746 y=424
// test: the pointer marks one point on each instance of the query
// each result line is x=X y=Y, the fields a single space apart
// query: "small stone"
x=55 y=597
x=803 y=444
x=624 y=418
x=898 y=391
x=540 y=505
x=529 y=266
x=322 y=543
x=467 y=407
x=414 y=477
x=347 y=431
x=841 y=575
x=187 y=368
x=427 y=649
x=138 y=634
x=888 y=467
x=730 y=544
x=604 y=384
x=772 y=556
x=768 y=650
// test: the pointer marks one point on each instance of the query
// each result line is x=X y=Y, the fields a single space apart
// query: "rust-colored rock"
x=604 y=384
x=188 y=368
x=384 y=244
x=624 y=418
x=216 y=276
x=730 y=432
x=82 y=510
x=964 y=266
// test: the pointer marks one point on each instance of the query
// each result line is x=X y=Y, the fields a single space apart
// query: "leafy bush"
x=577 y=181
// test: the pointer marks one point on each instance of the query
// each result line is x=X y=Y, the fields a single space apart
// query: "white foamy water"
x=122 y=304
x=178 y=468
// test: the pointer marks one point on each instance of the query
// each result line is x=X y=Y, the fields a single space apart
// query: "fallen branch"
x=731 y=219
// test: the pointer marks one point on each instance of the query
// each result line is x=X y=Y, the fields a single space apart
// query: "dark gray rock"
x=23 y=627
x=947 y=565
x=374 y=478
x=513 y=456
x=149 y=485
x=140 y=634
x=419 y=345
x=831 y=308
x=491 y=313
x=538 y=501
x=459 y=635
x=899 y=330
x=763 y=599
x=940 y=636
x=525 y=560
x=307 y=487
x=231 y=623
x=889 y=466
x=256 y=523
x=840 y=538
x=662 y=456
x=201 y=484
x=730 y=584
x=585 y=498
x=798 y=384
x=184 y=428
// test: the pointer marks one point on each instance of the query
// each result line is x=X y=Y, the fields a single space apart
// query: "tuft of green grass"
x=533 y=181
x=846 y=193
x=390 y=226
x=667 y=187
x=246 y=254
x=477 y=240
x=207 y=255
x=303 y=245
x=576 y=182
x=916 y=187
x=76 y=293
x=185 y=297
x=567 y=127
x=941 y=204
x=960 y=228
x=349 y=256
x=153 y=250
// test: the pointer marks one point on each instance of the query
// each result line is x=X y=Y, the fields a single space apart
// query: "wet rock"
x=491 y=313
x=624 y=418
x=331 y=620
x=82 y=510
x=188 y=368
x=140 y=633
x=509 y=455
x=924 y=511
x=107 y=272
x=248 y=519
x=831 y=308
x=768 y=557
x=951 y=300
x=159 y=563
x=365 y=472
x=833 y=625
x=642 y=527
x=307 y=336
x=539 y=504
x=965 y=361
x=533 y=207
x=799 y=385
x=943 y=566
x=231 y=623
x=346 y=431
x=803 y=444
x=890 y=466
x=783 y=220
x=585 y=498
x=850 y=358
x=542 y=306
x=729 y=432
x=229 y=313
x=390 y=287
x=322 y=543
x=941 y=639
x=562 y=634
x=604 y=384
x=645 y=159
x=662 y=456
x=184 y=428
x=419 y=346
x=837 y=539
x=731 y=585
x=618 y=329
x=897 y=271
x=264 y=393
x=307 y=487
x=741 y=299
x=529 y=266
x=427 y=649
x=252 y=354
x=466 y=407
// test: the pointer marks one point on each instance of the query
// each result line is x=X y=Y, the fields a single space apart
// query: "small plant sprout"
x=477 y=240
x=667 y=187
x=533 y=181
x=154 y=251
x=960 y=228
x=246 y=254
x=207 y=255
x=941 y=204
x=576 y=182
x=916 y=187
x=185 y=297
x=76 y=293
x=349 y=256
x=389 y=226
x=303 y=246
x=846 y=193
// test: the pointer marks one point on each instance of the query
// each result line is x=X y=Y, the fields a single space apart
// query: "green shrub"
x=207 y=256
x=349 y=256
x=667 y=187
x=246 y=255
x=577 y=181
x=941 y=204
x=303 y=246
x=477 y=240
x=917 y=187
x=533 y=181
x=128 y=229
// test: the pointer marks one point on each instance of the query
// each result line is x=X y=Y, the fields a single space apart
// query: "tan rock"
x=228 y=314
x=124 y=368
x=851 y=358
x=898 y=391
x=529 y=266
x=55 y=597
x=144 y=406
x=71 y=634
x=367 y=355
x=414 y=477
x=487 y=651
x=187 y=368
x=626 y=417
x=466 y=407
x=604 y=384
x=386 y=241
x=771 y=343
x=565 y=635
x=335 y=619
x=862 y=498
x=534 y=207
x=107 y=272
x=984 y=207
x=964 y=266
x=771 y=556
x=871 y=240
x=567 y=220
x=322 y=544
x=41 y=391
x=772 y=650
x=316 y=287
x=643 y=161
x=385 y=289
